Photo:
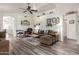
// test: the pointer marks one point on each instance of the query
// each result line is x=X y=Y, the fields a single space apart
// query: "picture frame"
x=25 y=22
x=53 y=21
x=49 y=22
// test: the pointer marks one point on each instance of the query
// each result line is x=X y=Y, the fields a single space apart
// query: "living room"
x=39 y=28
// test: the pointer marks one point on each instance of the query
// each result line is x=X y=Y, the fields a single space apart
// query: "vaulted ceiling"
x=14 y=7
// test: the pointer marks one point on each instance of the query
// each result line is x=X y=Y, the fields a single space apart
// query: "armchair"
x=28 y=32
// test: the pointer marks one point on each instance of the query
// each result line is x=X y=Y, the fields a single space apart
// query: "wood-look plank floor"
x=22 y=47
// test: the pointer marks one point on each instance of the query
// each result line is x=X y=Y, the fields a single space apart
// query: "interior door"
x=71 y=26
x=8 y=24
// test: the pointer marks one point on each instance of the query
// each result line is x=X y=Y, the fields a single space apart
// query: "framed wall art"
x=25 y=22
x=53 y=20
x=49 y=22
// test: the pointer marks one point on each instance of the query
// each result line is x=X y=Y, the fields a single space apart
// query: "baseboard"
x=71 y=39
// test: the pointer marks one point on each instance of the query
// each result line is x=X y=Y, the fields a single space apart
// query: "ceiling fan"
x=28 y=9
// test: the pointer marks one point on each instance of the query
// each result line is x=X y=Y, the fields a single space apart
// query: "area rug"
x=31 y=40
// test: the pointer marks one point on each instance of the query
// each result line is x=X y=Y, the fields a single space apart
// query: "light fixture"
x=28 y=9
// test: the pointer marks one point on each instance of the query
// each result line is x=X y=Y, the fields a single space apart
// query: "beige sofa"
x=50 y=38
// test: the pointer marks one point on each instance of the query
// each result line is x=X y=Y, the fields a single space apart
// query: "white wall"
x=78 y=25
x=43 y=19
x=59 y=11
x=67 y=8
x=20 y=17
x=1 y=22
x=17 y=22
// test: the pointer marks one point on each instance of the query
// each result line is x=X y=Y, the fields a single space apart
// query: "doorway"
x=9 y=25
x=70 y=24
x=65 y=28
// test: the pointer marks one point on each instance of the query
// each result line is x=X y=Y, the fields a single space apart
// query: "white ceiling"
x=14 y=7
x=10 y=7
x=45 y=6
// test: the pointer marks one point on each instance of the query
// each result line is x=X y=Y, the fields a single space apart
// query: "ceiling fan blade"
x=35 y=10
x=24 y=11
x=31 y=12
x=22 y=8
